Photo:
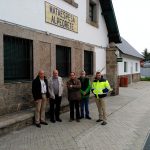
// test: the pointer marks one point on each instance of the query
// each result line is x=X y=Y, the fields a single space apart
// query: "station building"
x=70 y=35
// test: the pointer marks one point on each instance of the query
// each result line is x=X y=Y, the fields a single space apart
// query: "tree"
x=146 y=55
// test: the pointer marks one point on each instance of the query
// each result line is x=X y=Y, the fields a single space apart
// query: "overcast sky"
x=133 y=18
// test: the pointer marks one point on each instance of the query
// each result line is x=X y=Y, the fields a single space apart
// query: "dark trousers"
x=85 y=105
x=55 y=107
x=74 y=104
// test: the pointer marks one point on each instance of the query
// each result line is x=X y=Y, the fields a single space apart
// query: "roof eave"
x=110 y=20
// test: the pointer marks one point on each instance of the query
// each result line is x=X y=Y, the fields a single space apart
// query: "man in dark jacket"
x=74 y=96
x=40 y=95
x=85 y=93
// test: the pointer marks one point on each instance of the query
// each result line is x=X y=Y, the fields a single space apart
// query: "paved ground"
x=127 y=129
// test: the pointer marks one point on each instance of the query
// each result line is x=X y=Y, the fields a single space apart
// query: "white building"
x=130 y=64
x=69 y=35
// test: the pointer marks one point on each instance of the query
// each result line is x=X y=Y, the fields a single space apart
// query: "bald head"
x=41 y=74
x=55 y=73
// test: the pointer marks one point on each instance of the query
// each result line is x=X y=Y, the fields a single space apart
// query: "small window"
x=136 y=66
x=17 y=58
x=88 y=62
x=92 y=12
x=125 y=66
x=63 y=60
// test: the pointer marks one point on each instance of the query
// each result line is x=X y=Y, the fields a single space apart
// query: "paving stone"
x=127 y=128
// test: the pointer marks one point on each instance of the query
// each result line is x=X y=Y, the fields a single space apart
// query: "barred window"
x=63 y=60
x=17 y=58
x=88 y=62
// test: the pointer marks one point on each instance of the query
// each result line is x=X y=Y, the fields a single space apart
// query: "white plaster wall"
x=31 y=13
x=131 y=65
x=100 y=59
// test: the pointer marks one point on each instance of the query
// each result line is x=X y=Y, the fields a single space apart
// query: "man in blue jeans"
x=85 y=93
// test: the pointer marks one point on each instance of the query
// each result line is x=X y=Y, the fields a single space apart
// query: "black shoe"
x=88 y=117
x=104 y=123
x=81 y=117
x=59 y=120
x=70 y=120
x=53 y=121
x=78 y=120
x=38 y=125
x=44 y=123
x=99 y=120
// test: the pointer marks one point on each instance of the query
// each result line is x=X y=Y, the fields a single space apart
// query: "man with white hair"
x=55 y=85
x=40 y=94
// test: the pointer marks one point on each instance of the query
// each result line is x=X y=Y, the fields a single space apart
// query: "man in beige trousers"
x=40 y=93
x=100 y=88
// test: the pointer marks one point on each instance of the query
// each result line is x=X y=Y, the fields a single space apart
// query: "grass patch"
x=145 y=79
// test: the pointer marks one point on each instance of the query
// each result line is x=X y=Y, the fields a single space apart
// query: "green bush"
x=145 y=79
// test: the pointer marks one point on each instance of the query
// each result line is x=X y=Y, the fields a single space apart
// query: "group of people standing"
x=78 y=96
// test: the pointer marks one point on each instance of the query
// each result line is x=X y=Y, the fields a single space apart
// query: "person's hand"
x=84 y=93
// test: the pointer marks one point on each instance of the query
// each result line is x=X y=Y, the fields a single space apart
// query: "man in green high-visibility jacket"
x=100 y=88
x=85 y=93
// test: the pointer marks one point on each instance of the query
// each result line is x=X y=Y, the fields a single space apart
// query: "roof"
x=110 y=19
x=127 y=49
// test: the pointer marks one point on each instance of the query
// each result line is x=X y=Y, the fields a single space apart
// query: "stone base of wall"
x=19 y=120
x=136 y=77
x=15 y=97
x=18 y=95
x=131 y=78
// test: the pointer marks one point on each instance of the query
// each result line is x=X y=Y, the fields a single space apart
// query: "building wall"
x=131 y=65
x=26 y=19
x=131 y=74
x=32 y=14
x=100 y=59
x=111 y=68
x=130 y=78
x=15 y=96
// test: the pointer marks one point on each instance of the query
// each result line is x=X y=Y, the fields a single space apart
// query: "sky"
x=133 y=19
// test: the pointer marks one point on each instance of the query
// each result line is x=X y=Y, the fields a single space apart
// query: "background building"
x=130 y=65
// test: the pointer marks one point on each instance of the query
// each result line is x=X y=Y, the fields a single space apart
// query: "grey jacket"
x=50 y=87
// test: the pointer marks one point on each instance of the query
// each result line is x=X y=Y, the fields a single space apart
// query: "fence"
x=145 y=72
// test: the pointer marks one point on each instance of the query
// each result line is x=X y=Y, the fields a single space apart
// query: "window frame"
x=67 y=56
x=91 y=53
x=94 y=20
x=91 y=12
x=10 y=58
x=136 y=67
x=125 y=67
